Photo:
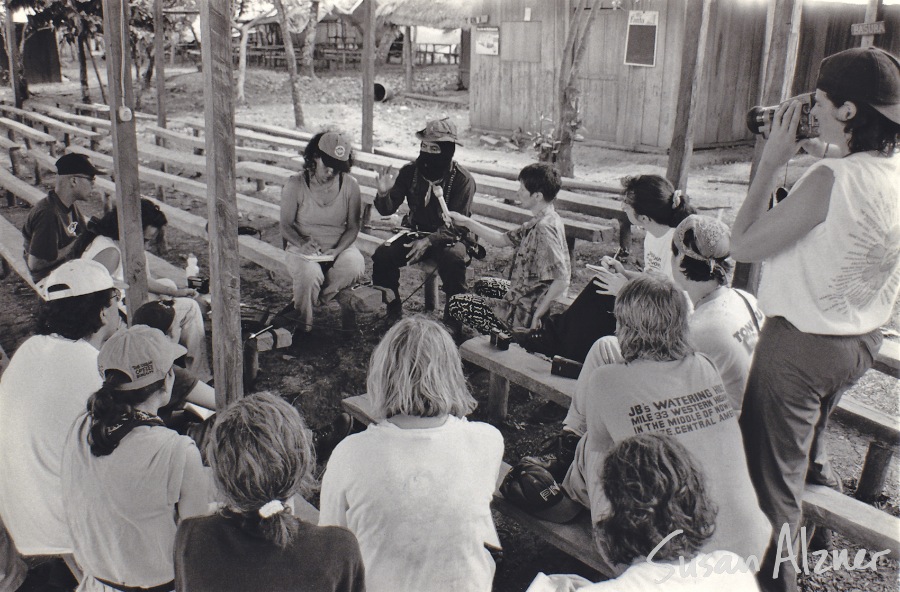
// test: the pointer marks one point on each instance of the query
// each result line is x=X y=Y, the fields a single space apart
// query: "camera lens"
x=758 y=117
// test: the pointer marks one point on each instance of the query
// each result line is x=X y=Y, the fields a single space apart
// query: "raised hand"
x=384 y=180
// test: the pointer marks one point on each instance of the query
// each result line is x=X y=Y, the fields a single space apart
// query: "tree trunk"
x=568 y=118
x=409 y=57
x=383 y=47
x=82 y=69
x=309 y=40
x=291 y=59
x=242 y=65
x=97 y=73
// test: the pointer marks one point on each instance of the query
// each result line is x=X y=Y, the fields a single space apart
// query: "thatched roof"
x=440 y=14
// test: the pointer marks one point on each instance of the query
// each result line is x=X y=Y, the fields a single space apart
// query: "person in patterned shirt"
x=540 y=270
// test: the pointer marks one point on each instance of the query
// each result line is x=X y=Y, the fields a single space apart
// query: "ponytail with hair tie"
x=676 y=198
x=271 y=508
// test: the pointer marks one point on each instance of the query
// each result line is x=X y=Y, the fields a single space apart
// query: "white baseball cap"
x=76 y=278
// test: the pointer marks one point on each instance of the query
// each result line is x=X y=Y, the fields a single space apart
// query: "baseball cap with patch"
x=532 y=488
x=439 y=130
x=76 y=278
x=868 y=75
x=142 y=353
x=77 y=164
x=335 y=151
x=702 y=238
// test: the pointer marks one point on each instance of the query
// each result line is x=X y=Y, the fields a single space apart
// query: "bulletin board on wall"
x=640 y=38
x=487 y=41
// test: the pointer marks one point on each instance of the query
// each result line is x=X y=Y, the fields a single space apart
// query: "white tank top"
x=843 y=277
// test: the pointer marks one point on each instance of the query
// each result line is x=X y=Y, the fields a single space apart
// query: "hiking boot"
x=557 y=454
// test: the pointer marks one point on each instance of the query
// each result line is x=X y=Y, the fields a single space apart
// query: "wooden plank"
x=183 y=160
x=218 y=82
x=124 y=140
x=863 y=524
x=91 y=122
x=520 y=367
x=11 y=250
x=885 y=428
x=888 y=358
x=682 y=146
x=50 y=122
x=284 y=159
x=21 y=189
x=27 y=132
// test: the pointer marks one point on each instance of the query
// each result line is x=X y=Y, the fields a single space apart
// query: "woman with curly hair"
x=660 y=519
x=416 y=486
x=261 y=455
x=665 y=387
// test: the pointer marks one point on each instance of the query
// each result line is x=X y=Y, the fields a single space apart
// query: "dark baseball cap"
x=532 y=488
x=77 y=164
x=864 y=74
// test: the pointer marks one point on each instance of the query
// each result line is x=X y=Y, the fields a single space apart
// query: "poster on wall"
x=487 y=41
x=640 y=39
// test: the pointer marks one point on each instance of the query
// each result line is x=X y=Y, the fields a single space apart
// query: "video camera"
x=759 y=119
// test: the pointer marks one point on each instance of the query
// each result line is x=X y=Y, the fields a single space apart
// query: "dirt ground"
x=317 y=372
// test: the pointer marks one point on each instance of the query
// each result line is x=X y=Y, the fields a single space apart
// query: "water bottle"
x=191 y=269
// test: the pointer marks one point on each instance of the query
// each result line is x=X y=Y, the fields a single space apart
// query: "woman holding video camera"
x=832 y=274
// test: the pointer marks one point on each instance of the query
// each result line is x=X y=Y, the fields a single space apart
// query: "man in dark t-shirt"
x=54 y=231
x=434 y=175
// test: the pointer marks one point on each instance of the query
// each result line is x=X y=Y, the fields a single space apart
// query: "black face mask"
x=434 y=166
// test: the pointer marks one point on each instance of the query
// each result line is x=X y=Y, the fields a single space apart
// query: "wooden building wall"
x=627 y=106
x=825 y=29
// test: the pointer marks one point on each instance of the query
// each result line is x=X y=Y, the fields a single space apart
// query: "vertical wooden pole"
x=12 y=52
x=781 y=60
x=124 y=137
x=368 y=75
x=408 y=57
x=159 y=57
x=696 y=26
x=224 y=262
x=873 y=10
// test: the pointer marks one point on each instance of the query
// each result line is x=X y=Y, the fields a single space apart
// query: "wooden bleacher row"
x=566 y=201
x=11 y=248
x=863 y=524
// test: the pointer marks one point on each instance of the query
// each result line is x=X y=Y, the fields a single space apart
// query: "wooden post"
x=159 y=57
x=124 y=137
x=781 y=60
x=159 y=64
x=408 y=58
x=224 y=261
x=873 y=10
x=12 y=51
x=498 y=397
x=874 y=472
x=368 y=75
x=692 y=58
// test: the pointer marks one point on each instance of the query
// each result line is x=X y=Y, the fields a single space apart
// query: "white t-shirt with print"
x=658 y=253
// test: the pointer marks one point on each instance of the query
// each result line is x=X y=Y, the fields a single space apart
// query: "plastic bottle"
x=191 y=269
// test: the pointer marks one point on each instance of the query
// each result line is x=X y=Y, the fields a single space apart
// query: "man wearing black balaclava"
x=434 y=173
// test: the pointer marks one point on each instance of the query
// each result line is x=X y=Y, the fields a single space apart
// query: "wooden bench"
x=49 y=123
x=93 y=123
x=13 y=252
x=291 y=161
x=29 y=136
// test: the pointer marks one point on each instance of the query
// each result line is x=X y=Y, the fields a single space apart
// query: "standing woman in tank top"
x=831 y=254
x=320 y=220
